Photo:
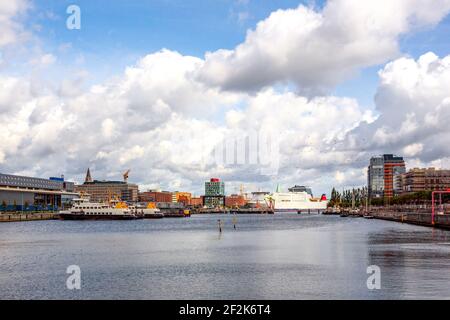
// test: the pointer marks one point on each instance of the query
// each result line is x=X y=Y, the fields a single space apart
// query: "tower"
x=88 y=176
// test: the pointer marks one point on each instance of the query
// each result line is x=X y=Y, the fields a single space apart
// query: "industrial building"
x=380 y=175
x=214 y=193
x=422 y=179
x=21 y=193
x=197 y=202
x=235 y=201
x=103 y=191
x=156 y=196
x=183 y=197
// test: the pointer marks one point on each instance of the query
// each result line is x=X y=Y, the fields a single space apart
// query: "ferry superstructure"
x=83 y=209
x=299 y=198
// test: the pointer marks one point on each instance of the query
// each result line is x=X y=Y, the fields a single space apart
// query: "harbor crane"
x=125 y=175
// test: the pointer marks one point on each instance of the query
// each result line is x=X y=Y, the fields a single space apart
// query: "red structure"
x=197 y=202
x=235 y=201
x=433 y=207
x=155 y=196
x=391 y=166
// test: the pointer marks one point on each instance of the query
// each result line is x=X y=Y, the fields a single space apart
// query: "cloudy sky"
x=167 y=88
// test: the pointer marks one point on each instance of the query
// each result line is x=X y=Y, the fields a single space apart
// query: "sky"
x=258 y=93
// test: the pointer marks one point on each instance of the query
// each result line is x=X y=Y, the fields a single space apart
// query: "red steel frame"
x=440 y=193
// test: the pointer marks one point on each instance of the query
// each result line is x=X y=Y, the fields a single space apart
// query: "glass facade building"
x=21 y=193
x=381 y=173
x=214 y=193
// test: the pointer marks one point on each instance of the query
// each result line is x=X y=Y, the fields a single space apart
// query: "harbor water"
x=281 y=256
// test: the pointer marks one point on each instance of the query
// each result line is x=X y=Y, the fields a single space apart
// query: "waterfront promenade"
x=417 y=218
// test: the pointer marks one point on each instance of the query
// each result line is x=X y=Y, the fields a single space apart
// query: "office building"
x=214 y=193
x=104 y=191
x=380 y=175
x=423 y=179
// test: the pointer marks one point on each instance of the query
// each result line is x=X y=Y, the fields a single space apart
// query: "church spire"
x=88 y=176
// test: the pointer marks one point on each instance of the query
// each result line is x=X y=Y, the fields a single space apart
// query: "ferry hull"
x=153 y=216
x=72 y=216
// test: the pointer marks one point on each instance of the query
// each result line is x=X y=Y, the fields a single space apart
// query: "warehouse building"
x=21 y=193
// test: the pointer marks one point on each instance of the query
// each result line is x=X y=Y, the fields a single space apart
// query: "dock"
x=417 y=218
x=18 y=217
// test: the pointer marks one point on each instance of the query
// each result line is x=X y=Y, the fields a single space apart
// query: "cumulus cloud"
x=315 y=50
x=11 y=30
x=165 y=116
x=413 y=100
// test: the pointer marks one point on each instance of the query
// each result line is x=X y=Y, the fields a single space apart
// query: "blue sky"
x=230 y=94
x=117 y=33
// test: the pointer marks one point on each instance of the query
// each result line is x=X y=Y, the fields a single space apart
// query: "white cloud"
x=318 y=49
x=163 y=116
x=11 y=30
x=44 y=60
x=413 y=149
x=413 y=99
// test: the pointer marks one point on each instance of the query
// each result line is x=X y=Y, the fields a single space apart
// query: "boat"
x=176 y=213
x=298 y=199
x=149 y=212
x=369 y=217
x=83 y=209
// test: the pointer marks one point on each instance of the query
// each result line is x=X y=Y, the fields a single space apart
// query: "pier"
x=17 y=217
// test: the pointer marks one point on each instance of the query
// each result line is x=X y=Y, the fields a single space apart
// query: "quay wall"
x=17 y=217
x=423 y=219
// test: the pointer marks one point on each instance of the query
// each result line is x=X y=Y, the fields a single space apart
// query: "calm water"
x=285 y=256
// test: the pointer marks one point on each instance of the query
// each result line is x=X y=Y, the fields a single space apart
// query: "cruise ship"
x=299 y=198
x=83 y=209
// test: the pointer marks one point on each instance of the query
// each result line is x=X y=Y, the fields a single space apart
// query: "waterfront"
x=282 y=256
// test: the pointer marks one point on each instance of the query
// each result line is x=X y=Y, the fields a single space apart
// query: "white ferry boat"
x=299 y=198
x=148 y=212
x=83 y=209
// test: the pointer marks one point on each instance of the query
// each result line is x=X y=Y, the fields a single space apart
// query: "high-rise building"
x=214 y=193
x=380 y=175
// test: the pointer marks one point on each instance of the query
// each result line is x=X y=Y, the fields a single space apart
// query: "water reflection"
x=284 y=256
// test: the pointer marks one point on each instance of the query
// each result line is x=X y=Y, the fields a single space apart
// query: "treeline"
x=359 y=196
x=346 y=198
x=416 y=198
